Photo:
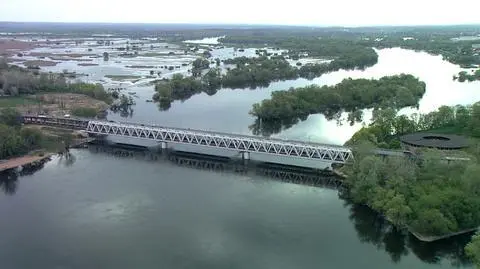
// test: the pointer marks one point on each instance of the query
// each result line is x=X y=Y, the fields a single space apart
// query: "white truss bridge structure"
x=240 y=143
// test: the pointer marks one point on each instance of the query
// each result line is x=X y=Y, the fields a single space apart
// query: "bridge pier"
x=245 y=157
x=163 y=145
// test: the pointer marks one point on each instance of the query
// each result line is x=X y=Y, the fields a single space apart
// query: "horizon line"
x=247 y=24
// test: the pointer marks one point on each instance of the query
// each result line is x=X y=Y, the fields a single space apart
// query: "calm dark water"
x=103 y=211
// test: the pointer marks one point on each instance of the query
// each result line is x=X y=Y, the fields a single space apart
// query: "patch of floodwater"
x=206 y=40
x=224 y=53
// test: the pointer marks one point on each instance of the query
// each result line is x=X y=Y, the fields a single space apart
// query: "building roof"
x=431 y=140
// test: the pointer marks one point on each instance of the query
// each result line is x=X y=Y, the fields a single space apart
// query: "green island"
x=428 y=196
x=351 y=95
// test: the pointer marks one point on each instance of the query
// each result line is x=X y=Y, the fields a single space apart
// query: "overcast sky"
x=291 y=12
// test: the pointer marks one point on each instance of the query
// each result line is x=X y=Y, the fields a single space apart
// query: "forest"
x=350 y=95
x=429 y=197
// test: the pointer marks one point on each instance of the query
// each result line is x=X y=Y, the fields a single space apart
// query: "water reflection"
x=123 y=112
x=66 y=158
x=9 y=178
x=451 y=249
x=268 y=128
x=9 y=181
x=278 y=172
x=372 y=228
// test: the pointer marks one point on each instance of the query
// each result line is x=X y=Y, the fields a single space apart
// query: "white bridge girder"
x=332 y=154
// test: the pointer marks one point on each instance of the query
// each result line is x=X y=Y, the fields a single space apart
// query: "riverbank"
x=419 y=236
x=24 y=160
x=424 y=238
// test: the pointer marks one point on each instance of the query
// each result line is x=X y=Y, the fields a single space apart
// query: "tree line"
x=386 y=126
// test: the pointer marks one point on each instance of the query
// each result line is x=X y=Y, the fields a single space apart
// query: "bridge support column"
x=163 y=145
x=245 y=157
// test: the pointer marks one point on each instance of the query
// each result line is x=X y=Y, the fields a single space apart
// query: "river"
x=105 y=211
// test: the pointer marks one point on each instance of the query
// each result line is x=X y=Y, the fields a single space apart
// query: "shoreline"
x=423 y=238
x=433 y=238
x=23 y=160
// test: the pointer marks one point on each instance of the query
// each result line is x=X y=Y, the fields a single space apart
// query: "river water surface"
x=110 y=212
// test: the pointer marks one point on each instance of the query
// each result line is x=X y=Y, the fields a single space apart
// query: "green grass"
x=122 y=77
x=17 y=101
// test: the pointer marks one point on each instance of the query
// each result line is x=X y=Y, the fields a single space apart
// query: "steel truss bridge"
x=239 y=143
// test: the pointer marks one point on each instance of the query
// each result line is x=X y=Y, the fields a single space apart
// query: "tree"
x=473 y=249
x=10 y=116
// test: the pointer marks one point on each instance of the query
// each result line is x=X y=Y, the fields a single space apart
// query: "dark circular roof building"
x=439 y=141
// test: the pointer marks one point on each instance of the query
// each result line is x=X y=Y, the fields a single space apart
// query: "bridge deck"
x=244 y=143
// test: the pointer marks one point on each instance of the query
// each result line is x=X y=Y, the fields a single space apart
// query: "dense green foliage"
x=432 y=198
x=465 y=76
x=86 y=112
x=15 y=141
x=473 y=249
x=253 y=72
x=387 y=126
x=351 y=95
